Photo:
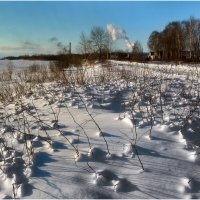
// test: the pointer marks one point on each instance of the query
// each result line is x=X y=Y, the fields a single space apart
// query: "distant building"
x=155 y=55
x=190 y=55
x=112 y=56
x=184 y=54
x=151 y=55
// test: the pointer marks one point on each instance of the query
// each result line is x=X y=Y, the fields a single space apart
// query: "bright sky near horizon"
x=36 y=27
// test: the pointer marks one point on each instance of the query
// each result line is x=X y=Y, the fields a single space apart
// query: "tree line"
x=179 y=41
x=45 y=57
x=98 y=45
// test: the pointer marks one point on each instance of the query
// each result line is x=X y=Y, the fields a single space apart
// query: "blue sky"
x=28 y=27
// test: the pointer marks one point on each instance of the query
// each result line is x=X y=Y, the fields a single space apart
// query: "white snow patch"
x=128 y=121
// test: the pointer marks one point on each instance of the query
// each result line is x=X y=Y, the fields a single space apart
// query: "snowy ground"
x=20 y=64
x=94 y=141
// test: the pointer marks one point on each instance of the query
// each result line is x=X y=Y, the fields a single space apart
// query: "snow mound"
x=123 y=185
x=129 y=149
x=74 y=141
x=104 y=177
x=81 y=157
x=99 y=133
x=97 y=154
x=148 y=137
x=128 y=121
x=108 y=178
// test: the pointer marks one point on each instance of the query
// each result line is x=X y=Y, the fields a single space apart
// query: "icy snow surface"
x=106 y=164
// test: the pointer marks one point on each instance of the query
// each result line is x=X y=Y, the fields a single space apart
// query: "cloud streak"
x=23 y=47
x=57 y=43
x=30 y=45
x=53 y=39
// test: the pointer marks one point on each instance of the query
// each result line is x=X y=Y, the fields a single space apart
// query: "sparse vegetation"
x=150 y=95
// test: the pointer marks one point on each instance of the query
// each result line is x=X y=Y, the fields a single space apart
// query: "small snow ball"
x=81 y=157
x=129 y=149
x=123 y=185
x=97 y=153
x=104 y=177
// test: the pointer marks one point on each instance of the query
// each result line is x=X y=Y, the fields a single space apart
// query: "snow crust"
x=74 y=159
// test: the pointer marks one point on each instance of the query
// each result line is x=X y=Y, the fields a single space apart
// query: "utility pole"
x=70 y=48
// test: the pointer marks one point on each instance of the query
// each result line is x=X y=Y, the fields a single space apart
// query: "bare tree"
x=175 y=38
x=154 y=41
x=193 y=36
x=155 y=44
x=99 y=39
x=137 y=51
x=85 y=45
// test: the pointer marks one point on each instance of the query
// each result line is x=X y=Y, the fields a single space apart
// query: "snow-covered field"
x=20 y=64
x=130 y=131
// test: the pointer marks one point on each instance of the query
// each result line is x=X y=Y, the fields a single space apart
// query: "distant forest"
x=48 y=57
x=180 y=40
